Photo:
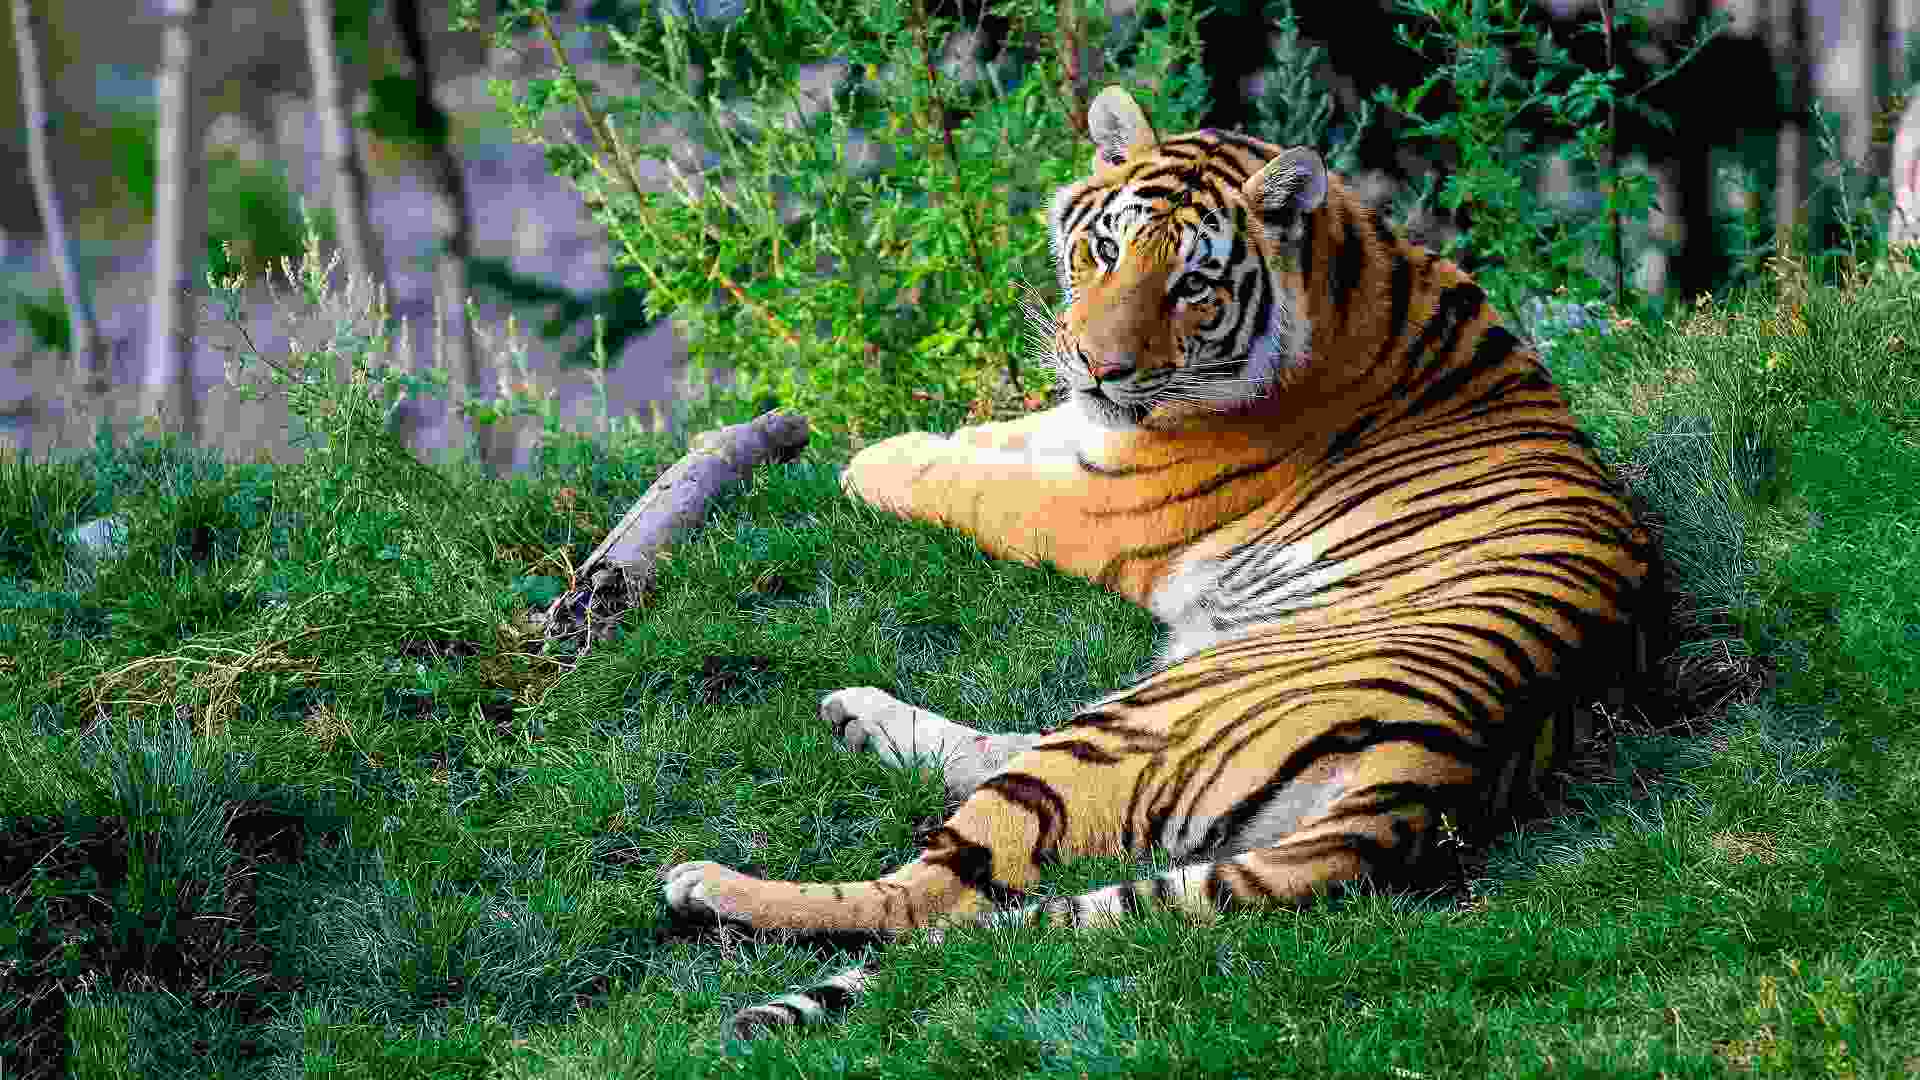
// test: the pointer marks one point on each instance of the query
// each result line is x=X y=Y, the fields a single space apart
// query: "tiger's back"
x=1394 y=573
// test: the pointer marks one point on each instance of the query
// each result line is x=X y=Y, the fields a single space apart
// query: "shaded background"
x=531 y=233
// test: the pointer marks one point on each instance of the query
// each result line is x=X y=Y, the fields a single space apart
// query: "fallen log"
x=615 y=576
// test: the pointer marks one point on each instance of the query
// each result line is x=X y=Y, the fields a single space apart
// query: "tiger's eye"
x=1192 y=287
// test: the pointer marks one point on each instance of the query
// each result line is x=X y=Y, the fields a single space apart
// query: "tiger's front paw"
x=884 y=474
x=707 y=890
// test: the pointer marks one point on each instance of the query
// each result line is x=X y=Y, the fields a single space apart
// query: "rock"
x=101 y=538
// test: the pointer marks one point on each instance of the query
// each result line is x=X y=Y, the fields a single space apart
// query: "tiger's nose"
x=1110 y=368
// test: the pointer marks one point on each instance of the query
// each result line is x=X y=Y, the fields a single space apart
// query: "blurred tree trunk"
x=179 y=222
x=87 y=350
x=1866 y=21
x=1787 y=26
x=359 y=242
x=1903 y=220
x=1885 y=68
x=1698 y=263
x=453 y=222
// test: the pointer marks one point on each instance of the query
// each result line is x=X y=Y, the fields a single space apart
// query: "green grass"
x=285 y=789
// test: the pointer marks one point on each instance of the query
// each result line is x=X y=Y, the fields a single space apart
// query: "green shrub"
x=1518 y=246
x=861 y=250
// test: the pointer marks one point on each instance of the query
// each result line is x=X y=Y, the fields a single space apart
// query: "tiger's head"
x=1181 y=266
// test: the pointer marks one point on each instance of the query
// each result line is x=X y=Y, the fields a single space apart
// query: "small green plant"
x=854 y=231
x=343 y=387
x=1846 y=230
x=254 y=217
x=341 y=390
x=1518 y=247
x=45 y=317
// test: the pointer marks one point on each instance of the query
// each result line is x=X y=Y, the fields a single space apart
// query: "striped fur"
x=1395 y=576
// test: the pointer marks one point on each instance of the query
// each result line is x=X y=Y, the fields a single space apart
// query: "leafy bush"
x=1519 y=247
x=855 y=232
x=1293 y=108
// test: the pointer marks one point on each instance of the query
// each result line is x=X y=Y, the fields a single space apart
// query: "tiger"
x=1397 y=581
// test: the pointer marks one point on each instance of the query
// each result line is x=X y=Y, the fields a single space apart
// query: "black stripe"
x=1219 y=893
x=967 y=861
x=1349 y=261
x=1307 y=266
x=1493 y=349
x=1257 y=147
x=1079 y=750
x=1345 y=739
x=1040 y=800
x=1457 y=304
x=1400 y=296
x=1219 y=480
x=832 y=996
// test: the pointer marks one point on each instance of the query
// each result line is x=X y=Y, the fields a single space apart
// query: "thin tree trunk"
x=358 y=240
x=1880 y=69
x=1788 y=28
x=83 y=330
x=1903 y=220
x=454 y=223
x=179 y=222
x=1861 y=53
x=1696 y=261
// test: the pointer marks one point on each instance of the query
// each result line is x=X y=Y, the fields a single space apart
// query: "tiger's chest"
x=1210 y=597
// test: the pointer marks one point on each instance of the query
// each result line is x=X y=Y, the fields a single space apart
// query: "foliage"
x=399 y=112
x=253 y=214
x=620 y=310
x=1518 y=247
x=853 y=233
x=251 y=210
x=44 y=314
x=1293 y=108
x=344 y=388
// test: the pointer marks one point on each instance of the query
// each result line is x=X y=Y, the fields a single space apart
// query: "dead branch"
x=618 y=572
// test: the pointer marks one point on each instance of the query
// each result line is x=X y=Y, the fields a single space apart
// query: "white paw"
x=687 y=889
x=855 y=714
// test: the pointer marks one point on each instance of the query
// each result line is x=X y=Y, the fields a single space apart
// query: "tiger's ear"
x=1286 y=188
x=1118 y=127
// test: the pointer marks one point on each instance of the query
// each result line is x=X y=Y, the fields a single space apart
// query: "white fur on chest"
x=1207 y=601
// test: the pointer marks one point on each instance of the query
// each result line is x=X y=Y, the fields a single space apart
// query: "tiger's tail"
x=1296 y=872
x=815 y=1004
